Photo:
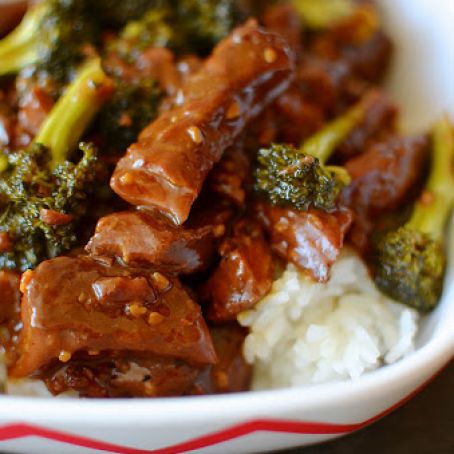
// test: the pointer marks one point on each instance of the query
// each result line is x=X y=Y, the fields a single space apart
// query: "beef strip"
x=142 y=239
x=231 y=373
x=76 y=303
x=358 y=41
x=379 y=121
x=166 y=168
x=243 y=276
x=311 y=240
x=9 y=295
x=136 y=374
x=382 y=180
x=8 y=120
x=156 y=63
x=34 y=106
x=121 y=375
x=283 y=20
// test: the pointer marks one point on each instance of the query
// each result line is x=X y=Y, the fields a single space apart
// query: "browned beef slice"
x=243 y=276
x=379 y=121
x=312 y=240
x=229 y=177
x=166 y=168
x=283 y=20
x=75 y=303
x=122 y=375
x=34 y=107
x=231 y=373
x=358 y=41
x=382 y=179
x=134 y=374
x=141 y=239
x=9 y=295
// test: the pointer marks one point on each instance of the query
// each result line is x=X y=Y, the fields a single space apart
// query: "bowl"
x=421 y=81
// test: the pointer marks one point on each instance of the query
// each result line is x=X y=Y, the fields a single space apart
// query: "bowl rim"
x=418 y=366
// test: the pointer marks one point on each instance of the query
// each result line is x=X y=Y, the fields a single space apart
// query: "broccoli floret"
x=186 y=26
x=40 y=208
x=298 y=177
x=42 y=194
x=53 y=36
x=410 y=261
x=132 y=107
x=115 y=14
x=157 y=28
x=206 y=22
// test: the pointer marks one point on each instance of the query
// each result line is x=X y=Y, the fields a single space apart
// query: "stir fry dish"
x=199 y=194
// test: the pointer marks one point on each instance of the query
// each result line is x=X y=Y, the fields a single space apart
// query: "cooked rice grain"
x=304 y=332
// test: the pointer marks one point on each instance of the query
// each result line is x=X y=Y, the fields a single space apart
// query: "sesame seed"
x=93 y=352
x=64 y=356
x=25 y=280
x=160 y=281
x=270 y=55
x=82 y=297
x=155 y=318
x=136 y=310
x=127 y=178
x=233 y=111
x=195 y=134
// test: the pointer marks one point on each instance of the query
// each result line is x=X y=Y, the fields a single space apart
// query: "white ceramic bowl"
x=258 y=421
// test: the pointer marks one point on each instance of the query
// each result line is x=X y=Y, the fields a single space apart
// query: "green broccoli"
x=74 y=111
x=299 y=177
x=39 y=207
x=53 y=37
x=186 y=26
x=115 y=14
x=206 y=22
x=318 y=14
x=410 y=261
x=132 y=107
x=42 y=194
x=156 y=28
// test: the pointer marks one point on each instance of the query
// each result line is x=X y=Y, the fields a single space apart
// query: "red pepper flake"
x=5 y=242
x=125 y=120
x=52 y=217
x=426 y=198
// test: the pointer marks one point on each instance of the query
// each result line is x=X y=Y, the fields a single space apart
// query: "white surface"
x=422 y=81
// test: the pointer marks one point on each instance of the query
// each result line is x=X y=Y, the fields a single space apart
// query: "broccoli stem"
x=432 y=211
x=320 y=14
x=18 y=49
x=323 y=143
x=74 y=111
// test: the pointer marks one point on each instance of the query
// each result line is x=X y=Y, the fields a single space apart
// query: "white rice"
x=304 y=332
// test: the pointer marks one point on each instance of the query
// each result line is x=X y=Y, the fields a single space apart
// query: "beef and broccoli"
x=163 y=161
